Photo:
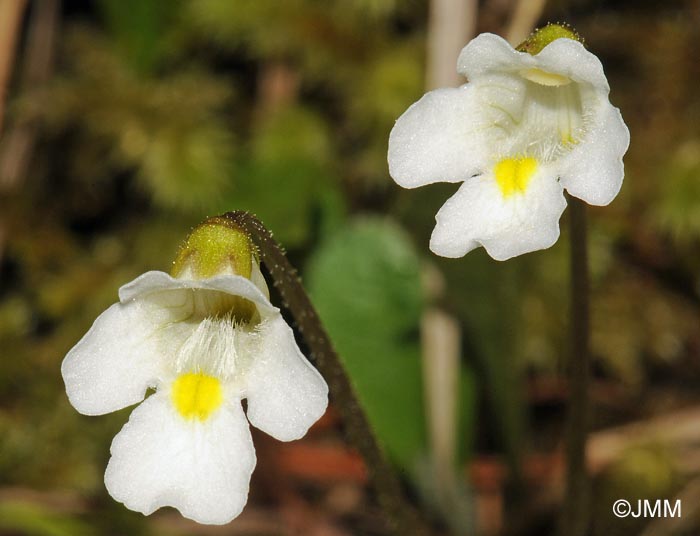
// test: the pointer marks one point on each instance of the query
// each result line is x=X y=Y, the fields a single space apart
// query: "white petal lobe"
x=202 y=468
x=286 y=395
x=478 y=214
x=115 y=362
x=571 y=59
x=433 y=140
x=594 y=170
x=490 y=53
x=235 y=285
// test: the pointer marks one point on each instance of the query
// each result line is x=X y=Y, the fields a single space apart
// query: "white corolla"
x=203 y=345
x=524 y=128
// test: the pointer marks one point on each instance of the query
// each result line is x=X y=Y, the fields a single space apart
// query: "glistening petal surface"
x=236 y=285
x=286 y=395
x=593 y=170
x=434 y=141
x=490 y=53
x=571 y=59
x=115 y=362
x=478 y=214
x=202 y=468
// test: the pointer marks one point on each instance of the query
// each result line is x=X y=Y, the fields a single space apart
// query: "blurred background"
x=123 y=123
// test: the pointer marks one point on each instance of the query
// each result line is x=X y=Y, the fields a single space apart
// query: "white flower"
x=522 y=129
x=203 y=345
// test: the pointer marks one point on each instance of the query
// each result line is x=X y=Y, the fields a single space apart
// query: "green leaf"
x=365 y=281
x=677 y=210
x=37 y=520
x=486 y=295
x=137 y=28
x=286 y=179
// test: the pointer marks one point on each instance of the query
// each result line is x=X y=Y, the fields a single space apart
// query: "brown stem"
x=17 y=141
x=575 y=514
x=402 y=518
x=11 y=12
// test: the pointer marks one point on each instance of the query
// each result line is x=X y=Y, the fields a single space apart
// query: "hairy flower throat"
x=513 y=174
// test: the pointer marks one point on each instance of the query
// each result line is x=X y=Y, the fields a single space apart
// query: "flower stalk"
x=575 y=518
x=402 y=518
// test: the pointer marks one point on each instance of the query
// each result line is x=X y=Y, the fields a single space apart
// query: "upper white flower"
x=203 y=345
x=522 y=129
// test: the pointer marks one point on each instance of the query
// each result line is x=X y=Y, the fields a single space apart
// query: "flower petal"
x=286 y=395
x=236 y=285
x=115 y=362
x=258 y=279
x=202 y=468
x=488 y=53
x=571 y=59
x=593 y=170
x=478 y=214
x=434 y=141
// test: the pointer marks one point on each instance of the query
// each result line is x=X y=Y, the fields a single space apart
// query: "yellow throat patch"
x=514 y=174
x=196 y=395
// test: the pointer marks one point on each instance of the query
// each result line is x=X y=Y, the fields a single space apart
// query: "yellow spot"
x=567 y=139
x=545 y=78
x=514 y=174
x=196 y=395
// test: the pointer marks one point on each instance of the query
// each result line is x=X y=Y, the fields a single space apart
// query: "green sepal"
x=217 y=245
x=542 y=37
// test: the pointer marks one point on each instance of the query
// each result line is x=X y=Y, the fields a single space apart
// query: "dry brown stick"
x=17 y=144
x=403 y=518
x=524 y=19
x=11 y=12
x=451 y=24
x=676 y=429
x=440 y=340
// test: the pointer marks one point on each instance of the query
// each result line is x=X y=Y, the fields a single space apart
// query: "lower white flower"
x=203 y=345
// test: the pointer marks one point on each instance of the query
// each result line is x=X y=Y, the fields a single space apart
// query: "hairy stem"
x=402 y=518
x=575 y=513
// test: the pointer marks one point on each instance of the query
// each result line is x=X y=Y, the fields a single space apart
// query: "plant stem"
x=575 y=515
x=402 y=518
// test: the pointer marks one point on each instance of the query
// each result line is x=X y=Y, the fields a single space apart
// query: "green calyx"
x=217 y=245
x=541 y=37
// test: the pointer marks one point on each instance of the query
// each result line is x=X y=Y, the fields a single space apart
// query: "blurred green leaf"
x=365 y=282
x=331 y=41
x=168 y=129
x=286 y=180
x=485 y=293
x=677 y=212
x=485 y=296
x=390 y=83
x=36 y=520
x=137 y=28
